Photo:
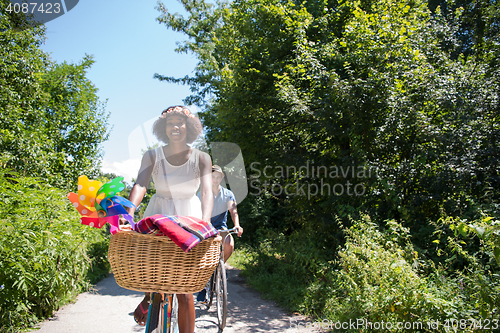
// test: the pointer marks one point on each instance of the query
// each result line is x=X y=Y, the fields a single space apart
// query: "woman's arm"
x=136 y=196
x=142 y=181
x=206 y=196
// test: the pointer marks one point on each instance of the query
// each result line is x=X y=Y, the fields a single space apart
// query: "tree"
x=477 y=25
x=377 y=84
x=74 y=121
x=51 y=121
x=22 y=62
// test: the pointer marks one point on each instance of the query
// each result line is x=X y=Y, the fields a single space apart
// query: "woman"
x=177 y=171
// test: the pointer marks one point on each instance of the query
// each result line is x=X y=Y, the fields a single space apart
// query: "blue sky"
x=129 y=46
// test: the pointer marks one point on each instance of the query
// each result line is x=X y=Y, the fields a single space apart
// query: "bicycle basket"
x=152 y=263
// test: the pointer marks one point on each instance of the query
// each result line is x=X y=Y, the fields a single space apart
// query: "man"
x=224 y=201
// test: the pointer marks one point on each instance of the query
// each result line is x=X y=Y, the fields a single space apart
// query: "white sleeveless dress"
x=176 y=187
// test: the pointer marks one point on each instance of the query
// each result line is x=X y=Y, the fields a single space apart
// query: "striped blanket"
x=185 y=231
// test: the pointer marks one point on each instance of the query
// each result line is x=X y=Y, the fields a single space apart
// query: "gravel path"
x=109 y=308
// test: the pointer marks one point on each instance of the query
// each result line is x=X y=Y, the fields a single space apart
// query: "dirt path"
x=109 y=308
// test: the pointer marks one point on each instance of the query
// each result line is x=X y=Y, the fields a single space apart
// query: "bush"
x=376 y=280
x=380 y=278
x=377 y=276
x=44 y=251
x=291 y=269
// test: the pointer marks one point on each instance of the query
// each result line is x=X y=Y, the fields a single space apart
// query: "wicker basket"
x=152 y=263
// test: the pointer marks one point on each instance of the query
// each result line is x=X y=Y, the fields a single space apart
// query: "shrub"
x=44 y=251
x=380 y=279
x=375 y=280
x=291 y=269
x=378 y=276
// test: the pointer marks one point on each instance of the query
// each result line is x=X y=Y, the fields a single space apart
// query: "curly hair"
x=193 y=124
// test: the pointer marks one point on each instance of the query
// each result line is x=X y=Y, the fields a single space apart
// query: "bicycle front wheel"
x=221 y=294
x=211 y=288
x=154 y=314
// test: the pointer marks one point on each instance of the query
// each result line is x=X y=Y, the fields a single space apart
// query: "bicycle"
x=145 y=262
x=218 y=283
x=159 y=320
x=156 y=265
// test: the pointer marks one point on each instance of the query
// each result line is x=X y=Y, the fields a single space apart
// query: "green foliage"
x=260 y=213
x=407 y=90
x=456 y=242
x=74 y=122
x=487 y=230
x=367 y=84
x=46 y=255
x=22 y=62
x=51 y=120
x=377 y=275
x=270 y=266
x=477 y=28
x=51 y=125
x=380 y=279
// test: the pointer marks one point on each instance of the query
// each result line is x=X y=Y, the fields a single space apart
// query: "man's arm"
x=231 y=206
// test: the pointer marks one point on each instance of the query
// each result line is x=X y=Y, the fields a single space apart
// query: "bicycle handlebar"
x=231 y=231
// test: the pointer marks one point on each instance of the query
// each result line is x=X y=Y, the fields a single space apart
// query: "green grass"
x=272 y=275
x=375 y=275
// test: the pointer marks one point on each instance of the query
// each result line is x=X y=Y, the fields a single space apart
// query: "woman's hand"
x=123 y=221
x=126 y=227
x=124 y=224
x=135 y=196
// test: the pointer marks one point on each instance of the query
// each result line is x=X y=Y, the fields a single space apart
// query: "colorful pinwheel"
x=98 y=204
